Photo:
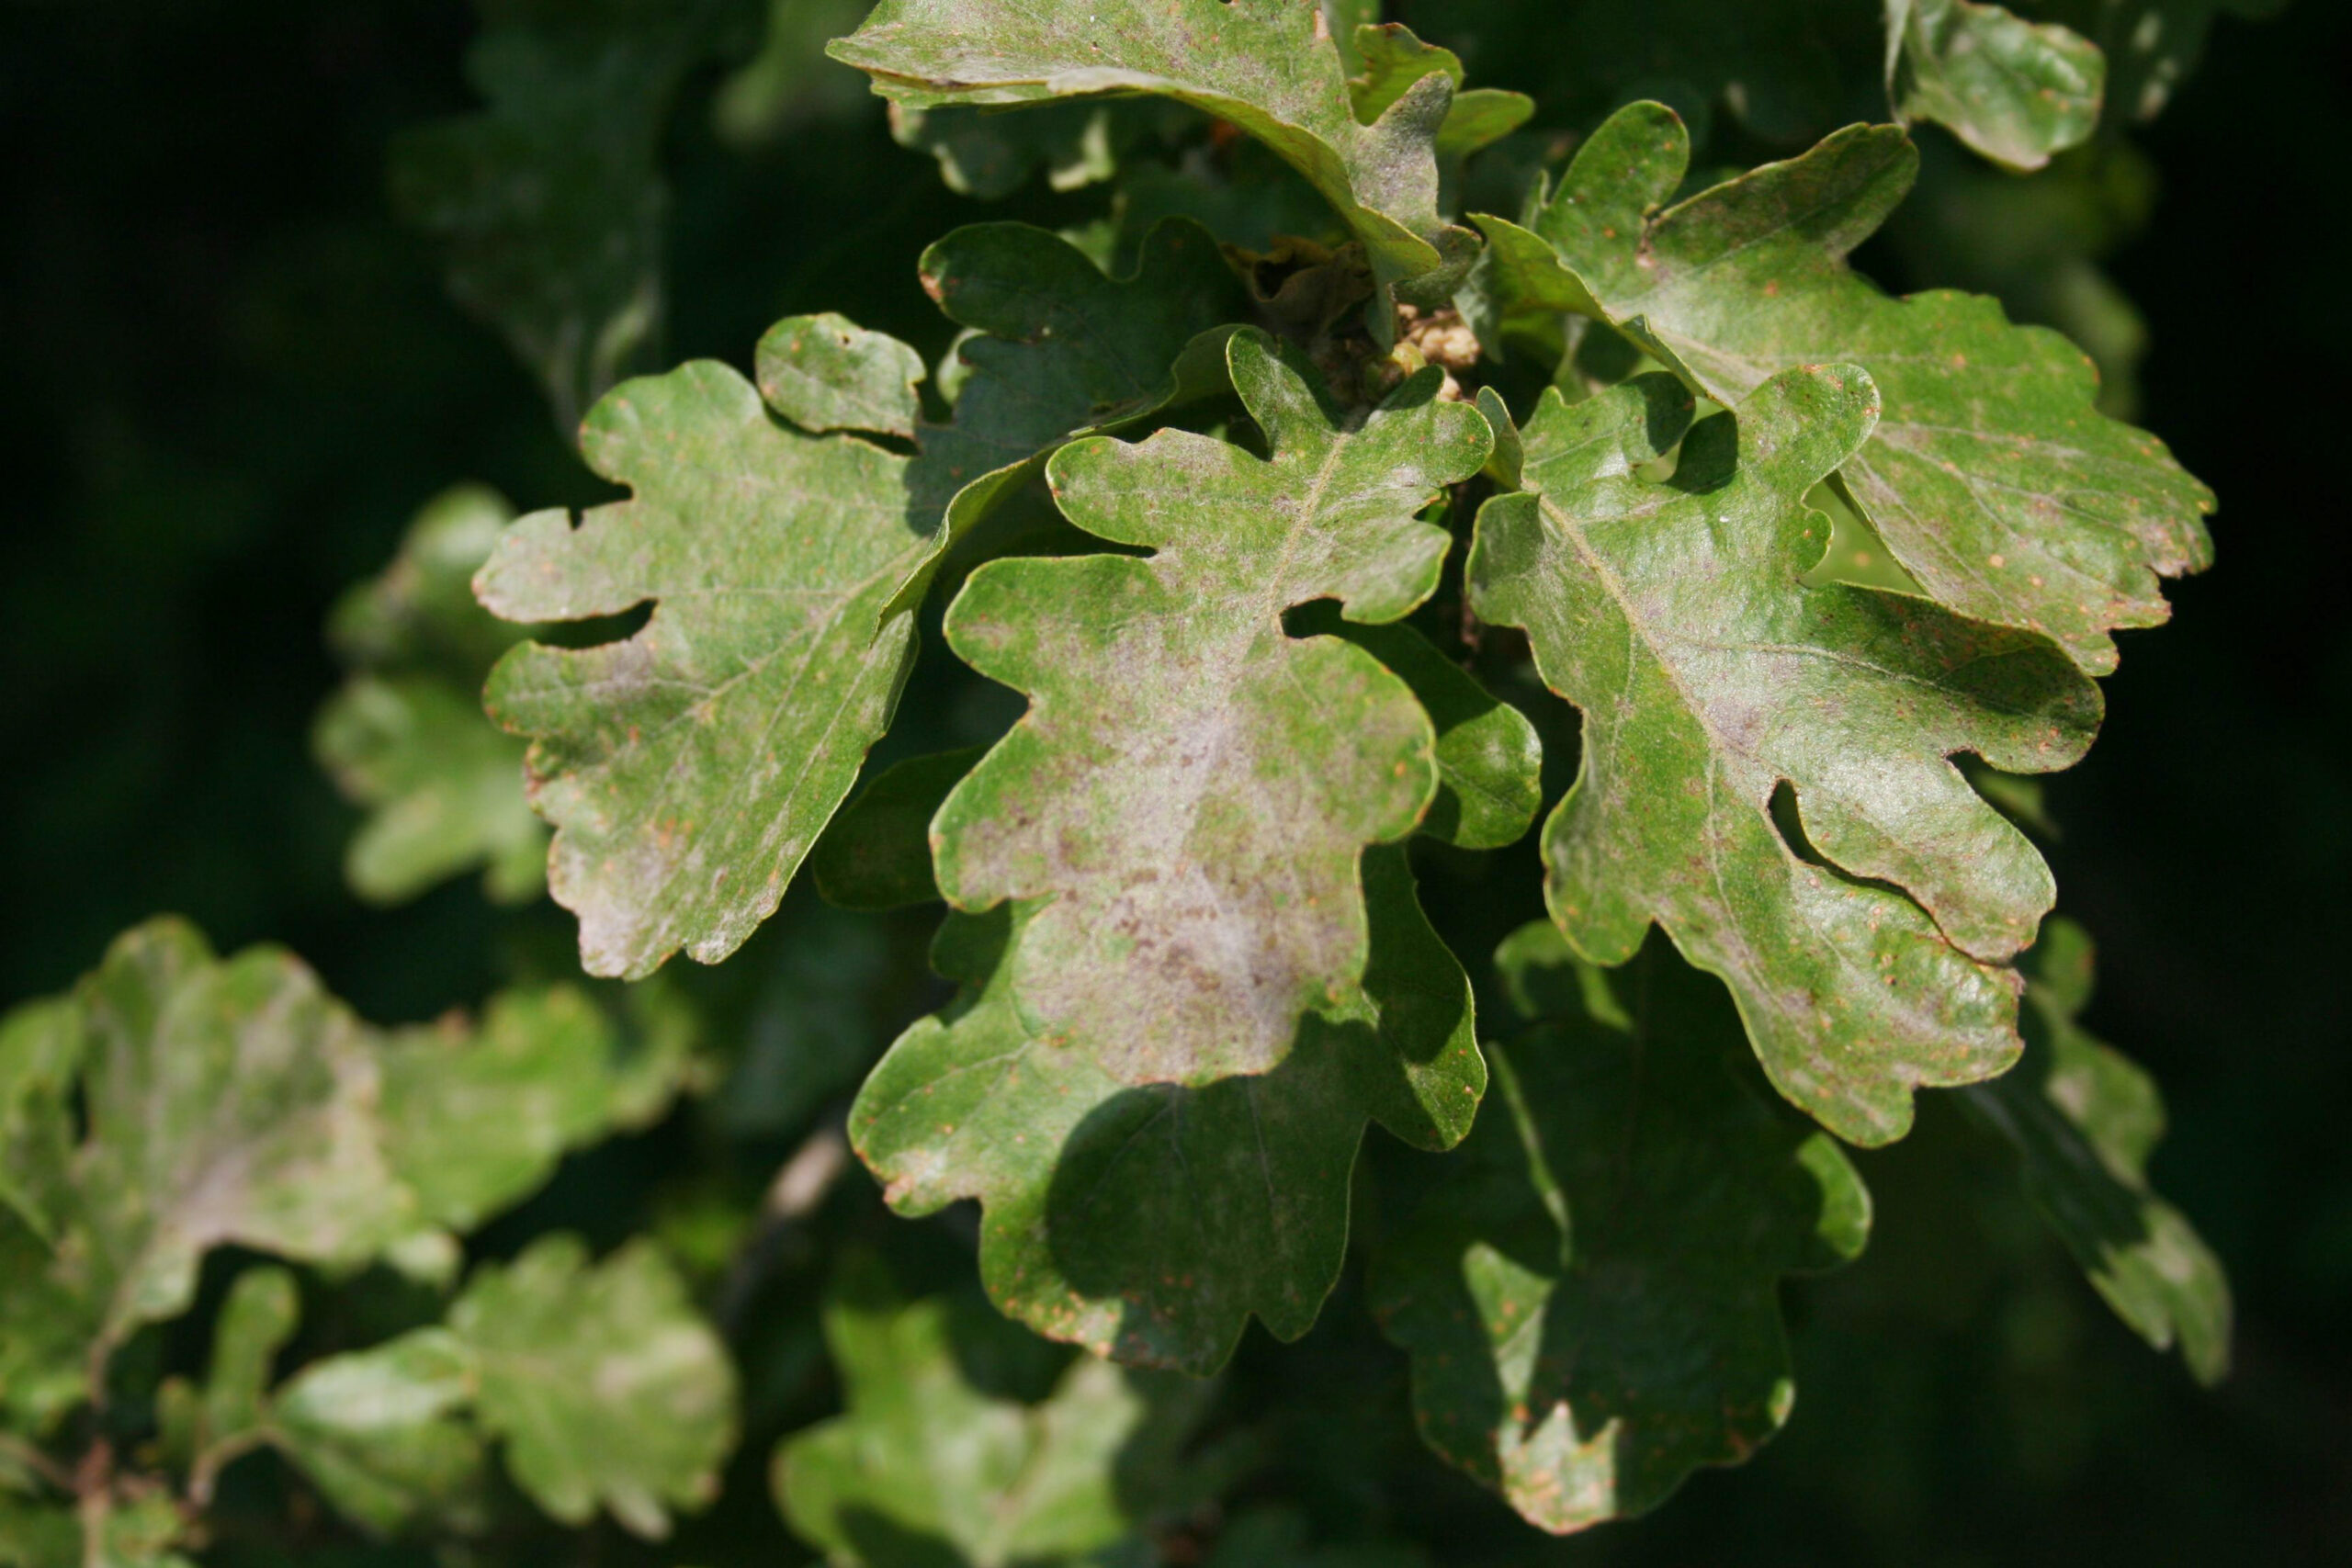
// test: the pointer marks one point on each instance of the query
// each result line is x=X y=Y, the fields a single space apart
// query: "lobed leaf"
x=1148 y=1222
x=2013 y=90
x=923 y=1468
x=2084 y=1120
x=606 y=1387
x=233 y=1100
x=405 y=737
x=383 y=1433
x=689 y=768
x=1270 y=66
x=549 y=201
x=1192 y=787
x=1589 y=1290
x=1865 y=938
x=1990 y=475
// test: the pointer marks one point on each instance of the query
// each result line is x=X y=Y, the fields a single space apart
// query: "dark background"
x=228 y=378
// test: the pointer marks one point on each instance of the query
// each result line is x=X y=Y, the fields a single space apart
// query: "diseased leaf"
x=1590 y=1289
x=475 y=1120
x=688 y=769
x=1192 y=787
x=405 y=737
x=1390 y=61
x=604 y=1385
x=828 y=373
x=233 y=1100
x=549 y=201
x=383 y=1435
x=1489 y=763
x=1990 y=475
x=2014 y=91
x=1268 y=66
x=925 y=1469
x=225 y=1101
x=2084 y=1120
x=1148 y=1222
x=1863 y=939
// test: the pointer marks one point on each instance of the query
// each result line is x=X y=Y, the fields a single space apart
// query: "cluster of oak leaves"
x=1181 y=906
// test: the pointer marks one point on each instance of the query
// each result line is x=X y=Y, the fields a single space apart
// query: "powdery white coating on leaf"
x=688 y=769
x=1270 y=66
x=606 y=1386
x=1149 y=1222
x=1710 y=678
x=1991 y=476
x=1191 y=786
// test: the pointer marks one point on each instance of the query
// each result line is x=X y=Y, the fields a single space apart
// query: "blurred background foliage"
x=238 y=374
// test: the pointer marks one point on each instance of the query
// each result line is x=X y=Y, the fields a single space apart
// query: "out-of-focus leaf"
x=1710 y=678
x=405 y=737
x=475 y=1119
x=1148 y=1222
x=549 y=201
x=1590 y=1289
x=688 y=769
x=1279 y=1538
x=1268 y=66
x=225 y=1101
x=1991 y=476
x=2151 y=45
x=383 y=1434
x=2014 y=91
x=989 y=153
x=2084 y=1120
x=1196 y=818
x=256 y=1322
x=789 y=84
x=233 y=1100
x=604 y=1385
x=925 y=1469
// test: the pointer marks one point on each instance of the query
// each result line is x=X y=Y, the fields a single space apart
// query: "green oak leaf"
x=1589 y=1288
x=689 y=768
x=1390 y=61
x=549 y=201
x=1712 y=680
x=1193 y=786
x=233 y=1100
x=405 y=737
x=2084 y=1120
x=604 y=1385
x=923 y=1469
x=1148 y=1222
x=1990 y=476
x=876 y=855
x=988 y=154
x=1490 y=761
x=2151 y=46
x=788 y=84
x=2014 y=91
x=255 y=1324
x=476 y=1117
x=1270 y=66
x=383 y=1433
x=223 y=1100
